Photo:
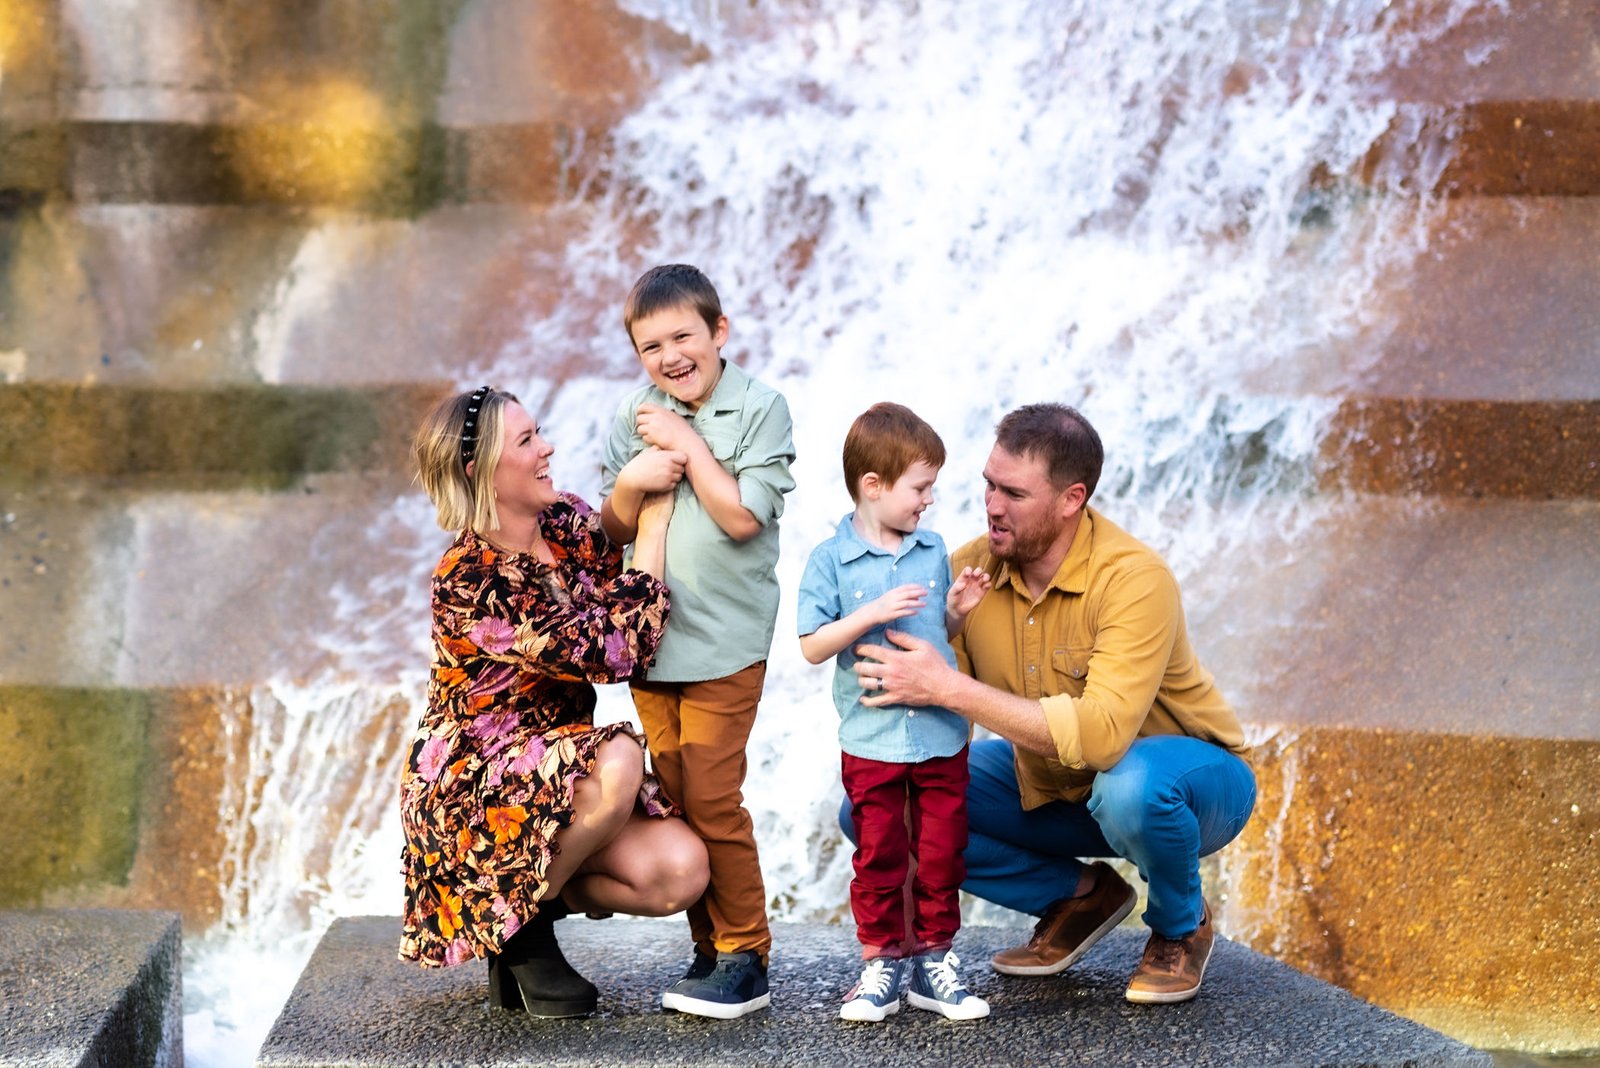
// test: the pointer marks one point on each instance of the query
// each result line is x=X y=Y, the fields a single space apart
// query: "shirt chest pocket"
x=725 y=447
x=1069 y=670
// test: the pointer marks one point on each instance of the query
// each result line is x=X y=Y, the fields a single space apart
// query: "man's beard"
x=1027 y=543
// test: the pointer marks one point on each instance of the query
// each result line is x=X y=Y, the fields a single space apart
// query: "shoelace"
x=725 y=975
x=1167 y=953
x=874 y=980
x=942 y=975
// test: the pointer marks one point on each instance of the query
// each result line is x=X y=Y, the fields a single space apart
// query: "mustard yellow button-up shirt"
x=1104 y=650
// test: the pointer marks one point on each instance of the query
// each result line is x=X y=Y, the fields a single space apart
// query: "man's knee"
x=1125 y=803
x=847 y=822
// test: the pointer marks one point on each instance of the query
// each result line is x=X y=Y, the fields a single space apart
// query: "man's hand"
x=665 y=429
x=911 y=673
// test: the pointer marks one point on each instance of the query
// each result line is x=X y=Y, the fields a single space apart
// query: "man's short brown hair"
x=1059 y=435
x=886 y=439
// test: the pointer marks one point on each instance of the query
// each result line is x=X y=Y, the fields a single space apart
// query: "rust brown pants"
x=697 y=733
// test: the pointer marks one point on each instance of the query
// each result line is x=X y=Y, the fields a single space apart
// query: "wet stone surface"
x=356 y=1004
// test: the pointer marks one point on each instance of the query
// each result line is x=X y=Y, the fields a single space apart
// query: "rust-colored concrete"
x=1465 y=448
x=1527 y=50
x=1453 y=879
x=1502 y=307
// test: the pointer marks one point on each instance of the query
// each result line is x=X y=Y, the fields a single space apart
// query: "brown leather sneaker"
x=1070 y=927
x=1172 y=968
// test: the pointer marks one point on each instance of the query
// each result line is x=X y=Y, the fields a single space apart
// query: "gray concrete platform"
x=357 y=1005
x=90 y=987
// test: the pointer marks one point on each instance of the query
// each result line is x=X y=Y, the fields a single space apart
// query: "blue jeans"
x=1168 y=802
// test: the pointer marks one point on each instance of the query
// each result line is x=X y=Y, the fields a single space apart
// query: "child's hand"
x=664 y=428
x=898 y=603
x=653 y=471
x=966 y=591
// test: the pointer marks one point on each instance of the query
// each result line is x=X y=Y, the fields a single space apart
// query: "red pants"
x=932 y=798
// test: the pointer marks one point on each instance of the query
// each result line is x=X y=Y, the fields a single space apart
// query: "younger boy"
x=698 y=701
x=878 y=570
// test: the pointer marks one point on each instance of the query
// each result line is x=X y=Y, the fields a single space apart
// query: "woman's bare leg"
x=602 y=804
x=653 y=867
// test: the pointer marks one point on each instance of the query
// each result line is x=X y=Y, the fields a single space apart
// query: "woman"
x=516 y=808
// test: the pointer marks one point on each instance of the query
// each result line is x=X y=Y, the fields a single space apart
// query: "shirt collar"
x=852 y=546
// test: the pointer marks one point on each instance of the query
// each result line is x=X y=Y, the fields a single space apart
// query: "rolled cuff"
x=1061 y=716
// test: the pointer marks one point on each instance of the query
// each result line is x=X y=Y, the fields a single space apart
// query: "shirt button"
x=911 y=711
x=1030 y=618
x=1030 y=669
x=858 y=595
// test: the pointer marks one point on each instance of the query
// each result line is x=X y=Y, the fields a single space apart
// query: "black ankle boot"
x=532 y=974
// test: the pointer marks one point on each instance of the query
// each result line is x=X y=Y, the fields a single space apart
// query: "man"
x=1113 y=740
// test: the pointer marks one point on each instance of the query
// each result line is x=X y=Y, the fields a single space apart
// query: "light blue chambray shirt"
x=724 y=593
x=844 y=573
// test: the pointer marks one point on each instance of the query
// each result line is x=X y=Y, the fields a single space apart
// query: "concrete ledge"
x=357 y=1005
x=90 y=987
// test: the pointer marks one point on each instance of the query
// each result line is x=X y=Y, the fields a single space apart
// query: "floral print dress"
x=510 y=725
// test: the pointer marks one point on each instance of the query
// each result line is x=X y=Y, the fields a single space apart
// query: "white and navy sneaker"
x=935 y=986
x=876 y=994
x=737 y=985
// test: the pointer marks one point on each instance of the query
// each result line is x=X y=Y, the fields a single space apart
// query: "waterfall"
x=1154 y=211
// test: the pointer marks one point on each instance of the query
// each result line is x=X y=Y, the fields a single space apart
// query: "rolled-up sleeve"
x=762 y=468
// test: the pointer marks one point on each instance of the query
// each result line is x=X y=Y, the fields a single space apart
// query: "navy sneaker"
x=935 y=986
x=701 y=966
x=737 y=985
x=876 y=994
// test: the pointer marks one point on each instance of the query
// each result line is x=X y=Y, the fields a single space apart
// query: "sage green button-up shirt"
x=1104 y=650
x=724 y=593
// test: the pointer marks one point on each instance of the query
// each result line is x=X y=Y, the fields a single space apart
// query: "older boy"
x=698 y=702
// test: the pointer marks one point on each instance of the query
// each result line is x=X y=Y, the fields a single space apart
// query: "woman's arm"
x=650 y=545
x=600 y=628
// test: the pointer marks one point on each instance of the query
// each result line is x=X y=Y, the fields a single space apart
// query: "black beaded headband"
x=469 y=429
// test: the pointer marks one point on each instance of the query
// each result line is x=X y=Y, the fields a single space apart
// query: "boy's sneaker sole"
x=717 y=1010
x=972 y=1008
x=863 y=1011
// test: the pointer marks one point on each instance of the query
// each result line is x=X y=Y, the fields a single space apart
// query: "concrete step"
x=356 y=1004
x=223 y=436
x=1422 y=681
x=175 y=297
x=1535 y=147
x=1460 y=617
x=90 y=987
x=221 y=588
x=1451 y=878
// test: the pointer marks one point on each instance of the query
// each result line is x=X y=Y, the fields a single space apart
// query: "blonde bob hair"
x=453 y=437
